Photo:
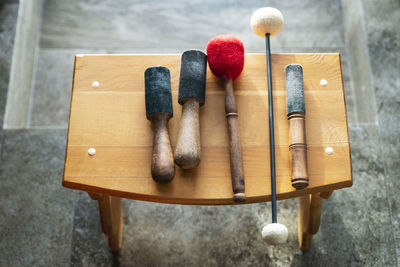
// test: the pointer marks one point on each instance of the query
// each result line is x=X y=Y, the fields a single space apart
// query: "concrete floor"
x=43 y=224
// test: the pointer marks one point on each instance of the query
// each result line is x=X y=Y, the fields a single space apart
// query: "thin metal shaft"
x=271 y=130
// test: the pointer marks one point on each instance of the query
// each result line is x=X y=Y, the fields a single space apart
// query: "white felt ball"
x=266 y=20
x=275 y=233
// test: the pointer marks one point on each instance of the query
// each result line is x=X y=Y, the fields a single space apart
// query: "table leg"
x=326 y=194
x=111 y=218
x=310 y=206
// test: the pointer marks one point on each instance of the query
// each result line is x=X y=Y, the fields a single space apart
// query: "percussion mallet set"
x=225 y=56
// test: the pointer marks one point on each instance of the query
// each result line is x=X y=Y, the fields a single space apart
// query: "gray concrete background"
x=43 y=224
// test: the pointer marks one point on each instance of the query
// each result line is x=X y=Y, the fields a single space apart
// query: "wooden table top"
x=112 y=119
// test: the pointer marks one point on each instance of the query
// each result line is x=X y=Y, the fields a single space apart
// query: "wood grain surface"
x=112 y=119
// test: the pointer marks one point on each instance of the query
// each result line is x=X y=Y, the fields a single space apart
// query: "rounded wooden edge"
x=203 y=201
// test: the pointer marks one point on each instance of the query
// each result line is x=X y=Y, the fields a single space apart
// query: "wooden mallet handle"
x=237 y=173
x=162 y=160
x=188 y=149
x=298 y=150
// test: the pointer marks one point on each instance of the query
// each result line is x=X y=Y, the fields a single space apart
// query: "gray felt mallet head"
x=159 y=110
x=294 y=89
x=192 y=91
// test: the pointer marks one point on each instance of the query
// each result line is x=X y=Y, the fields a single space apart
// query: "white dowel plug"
x=91 y=151
x=275 y=233
x=266 y=20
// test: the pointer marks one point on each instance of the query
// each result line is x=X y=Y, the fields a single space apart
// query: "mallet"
x=295 y=111
x=225 y=54
x=192 y=92
x=266 y=22
x=159 y=111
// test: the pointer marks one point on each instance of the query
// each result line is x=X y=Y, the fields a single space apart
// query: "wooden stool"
x=110 y=139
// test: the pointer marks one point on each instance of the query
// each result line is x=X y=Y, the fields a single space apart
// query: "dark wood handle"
x=162 y=161
x=188 y=150
x=237 y=174
x=298 y=150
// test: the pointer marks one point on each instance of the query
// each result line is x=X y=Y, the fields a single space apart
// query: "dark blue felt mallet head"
x=158 y=91
x=192 y=81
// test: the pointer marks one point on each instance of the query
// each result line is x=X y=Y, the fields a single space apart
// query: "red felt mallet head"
x=225 y=55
